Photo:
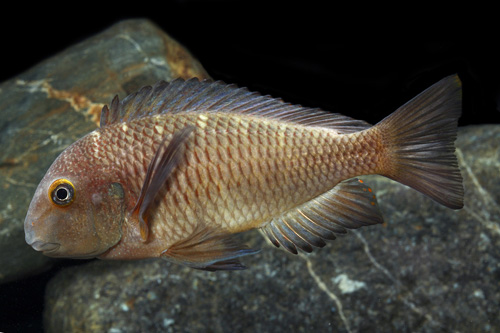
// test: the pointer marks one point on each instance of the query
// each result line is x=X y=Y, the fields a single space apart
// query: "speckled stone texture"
x=50 y=106
x=427 y=269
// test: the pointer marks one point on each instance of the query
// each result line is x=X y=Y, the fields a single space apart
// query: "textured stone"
x=426 y=269
x=53 y=104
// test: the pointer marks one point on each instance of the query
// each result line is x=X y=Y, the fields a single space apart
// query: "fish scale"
x=177 y=169
x=254 y=193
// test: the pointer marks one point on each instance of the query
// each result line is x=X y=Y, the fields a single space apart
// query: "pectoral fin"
x=210 y=250
x=166 y=158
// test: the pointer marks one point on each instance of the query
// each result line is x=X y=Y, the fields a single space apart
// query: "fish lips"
x=46 y=248
x=36 y=243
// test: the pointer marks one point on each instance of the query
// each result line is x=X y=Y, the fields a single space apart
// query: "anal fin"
x=209 y=249
x=349 y=205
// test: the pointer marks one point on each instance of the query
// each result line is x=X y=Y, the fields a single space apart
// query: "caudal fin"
x=419 y=140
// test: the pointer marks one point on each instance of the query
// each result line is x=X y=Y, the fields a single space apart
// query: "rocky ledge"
x=426 y=269
x=55 y=103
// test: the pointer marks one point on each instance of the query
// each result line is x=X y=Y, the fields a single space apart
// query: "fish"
x=179 y=169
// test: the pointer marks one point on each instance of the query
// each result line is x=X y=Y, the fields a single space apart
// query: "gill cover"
x=107 y=211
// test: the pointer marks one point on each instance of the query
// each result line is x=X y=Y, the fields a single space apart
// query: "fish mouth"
x=44 y=247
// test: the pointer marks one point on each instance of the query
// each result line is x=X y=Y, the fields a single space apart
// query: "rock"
x=426 y=269
x=53 y=104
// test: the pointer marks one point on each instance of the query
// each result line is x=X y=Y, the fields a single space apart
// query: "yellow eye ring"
x=62 y=192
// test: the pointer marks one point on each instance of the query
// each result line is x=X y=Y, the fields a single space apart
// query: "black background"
x=358 y=61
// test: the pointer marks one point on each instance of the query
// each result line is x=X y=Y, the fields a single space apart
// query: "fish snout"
x=44 y=246
x=36 y=243
x=29 y=232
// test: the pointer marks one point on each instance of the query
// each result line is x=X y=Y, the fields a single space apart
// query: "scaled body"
x=243 y=161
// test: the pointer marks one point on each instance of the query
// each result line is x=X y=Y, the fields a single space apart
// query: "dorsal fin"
x=207 y=96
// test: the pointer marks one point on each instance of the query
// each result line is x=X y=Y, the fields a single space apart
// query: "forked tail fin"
x=419 y=142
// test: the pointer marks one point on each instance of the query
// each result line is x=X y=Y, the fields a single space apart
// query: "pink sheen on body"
x=176 y=170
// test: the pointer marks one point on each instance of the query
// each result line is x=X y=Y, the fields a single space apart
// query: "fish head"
x=75 y=214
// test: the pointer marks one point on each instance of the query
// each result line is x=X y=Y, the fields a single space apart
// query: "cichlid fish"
x=176 y=170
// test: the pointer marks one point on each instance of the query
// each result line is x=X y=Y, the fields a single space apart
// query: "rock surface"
x=52 y=105
x=427 y=269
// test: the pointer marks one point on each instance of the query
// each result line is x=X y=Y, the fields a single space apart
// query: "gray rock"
x=426 y=269
x=53 y=104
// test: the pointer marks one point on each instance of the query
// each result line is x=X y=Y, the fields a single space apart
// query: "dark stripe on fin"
x=208 y=249
x=161 y=166
x=351 y=204
x=104 y=116
x=419 y=139
x=207 y=96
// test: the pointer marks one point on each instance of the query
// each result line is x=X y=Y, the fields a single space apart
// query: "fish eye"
x=62 y=192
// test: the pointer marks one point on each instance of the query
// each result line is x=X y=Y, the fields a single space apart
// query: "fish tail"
x=418 y=141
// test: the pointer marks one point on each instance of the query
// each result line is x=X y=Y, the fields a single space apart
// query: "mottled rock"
x=426 y=269
x=53 y=104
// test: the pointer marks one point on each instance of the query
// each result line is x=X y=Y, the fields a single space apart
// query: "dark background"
x=358 y=61
x=361 y=62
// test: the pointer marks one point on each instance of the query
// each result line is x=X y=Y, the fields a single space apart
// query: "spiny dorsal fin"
x=207 y=96
x=351 y=204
